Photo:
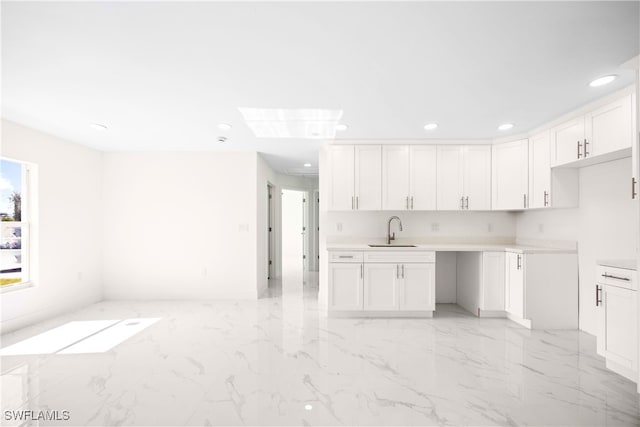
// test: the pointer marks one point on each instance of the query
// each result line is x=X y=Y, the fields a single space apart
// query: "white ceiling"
x=163 y=75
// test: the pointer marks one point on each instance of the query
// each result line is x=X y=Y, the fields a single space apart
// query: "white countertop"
x=448 y=247
x=627 y=264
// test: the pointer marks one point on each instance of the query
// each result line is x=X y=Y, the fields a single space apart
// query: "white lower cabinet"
x=514 y=284
x=399 y=286
x=374 y=282
x=492 y=284
x=345 y=281
x=616 y=301
x=541 y=288
x=417 y=288
x=381 y=286
x=345 y=286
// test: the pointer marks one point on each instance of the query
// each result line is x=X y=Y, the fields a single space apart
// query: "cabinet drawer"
x=614 y=276
x=400 y=256
x=345 y=256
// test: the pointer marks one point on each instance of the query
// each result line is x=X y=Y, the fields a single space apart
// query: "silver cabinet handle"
x=519 y=263
x=352 y=203
x=357 y=207
x=345 y=256
x=586 y=143
x=525 y=200
x=403 y=271
x=633 y=188
x=598 y=295
x=397 y=271
x=608 y=276
x=579 y=146
x=466 y=202
x=546 y=198
x=411 y=202
x=361 y=271
x=407 y=204
x=462 y=202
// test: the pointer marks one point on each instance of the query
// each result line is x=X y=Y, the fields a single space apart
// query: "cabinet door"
x=422 y=177
x=368 y=177
x=493 y=283
x=395 y=177
x=620 y=325
x=566 y=138
x=514 y=284
x=417 y=287
x=449 y=182
x=381 y=286
x=341 y=175
x=634 y=144
x=510 y=175
x=539 y=170
x=477 y=177
x=610 y=128
x=345 y=286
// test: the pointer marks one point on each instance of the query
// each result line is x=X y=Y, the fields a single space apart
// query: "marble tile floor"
x=281 y=361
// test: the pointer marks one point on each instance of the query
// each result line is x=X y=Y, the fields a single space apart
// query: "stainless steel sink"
x=392 y=246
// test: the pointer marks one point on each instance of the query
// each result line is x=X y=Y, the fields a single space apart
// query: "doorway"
x=294 y=234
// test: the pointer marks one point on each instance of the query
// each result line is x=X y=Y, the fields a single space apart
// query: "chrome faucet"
x=390 y=236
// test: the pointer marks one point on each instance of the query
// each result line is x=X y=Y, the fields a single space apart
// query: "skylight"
x=309 y=123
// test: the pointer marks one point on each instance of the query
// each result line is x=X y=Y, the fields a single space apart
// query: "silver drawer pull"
x=345 y=256
x=608 y=276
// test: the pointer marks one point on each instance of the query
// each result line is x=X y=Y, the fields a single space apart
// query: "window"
x=14 y=224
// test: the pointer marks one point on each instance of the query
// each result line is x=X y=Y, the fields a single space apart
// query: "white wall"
x=605 y=226
x=180 y=225
x=67 y=264
x=450 y=225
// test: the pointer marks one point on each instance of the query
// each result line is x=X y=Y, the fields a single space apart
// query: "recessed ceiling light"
x=307 y=165
x=99 y=127
x=430 y=126
x=224 y=126
x=603 y=80
x=308 y=407
x=505 y=126
x=341 y=127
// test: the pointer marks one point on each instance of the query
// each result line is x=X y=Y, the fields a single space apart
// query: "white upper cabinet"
x=355 y=177
x=464 y=177
x=395 y=177
x=449 y=181
x=609 y=128
x=409 y=177
x=341 y=177
x=568 y=141
x=510 y=165
x=368 y=177
x=539 y=170
x=476 y=177
x=422 y=177
x=604 y=130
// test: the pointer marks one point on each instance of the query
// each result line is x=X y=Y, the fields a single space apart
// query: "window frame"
x=25 y=224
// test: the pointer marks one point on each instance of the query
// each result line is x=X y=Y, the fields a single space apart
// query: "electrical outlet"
x=435 y=226
x=243 y=227
x=204 y=272
x=540 y=228
x=490 y=227
x=339 y=226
